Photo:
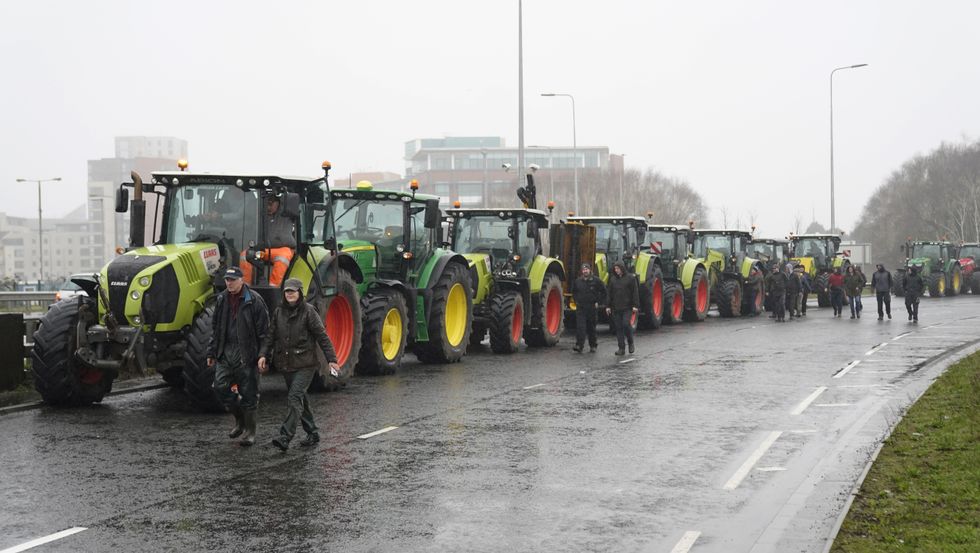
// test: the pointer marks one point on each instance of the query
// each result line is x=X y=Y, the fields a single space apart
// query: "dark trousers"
x=803 y=305
x=779 y=304
x=624 y=330
x=298 y=403
x=585 y=326
x=884 y=298
x=855 y=302
x=837 y=301
x=912 y=305
x=230 y=371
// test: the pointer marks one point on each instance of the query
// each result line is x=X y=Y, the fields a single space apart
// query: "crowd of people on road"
x=621 y=298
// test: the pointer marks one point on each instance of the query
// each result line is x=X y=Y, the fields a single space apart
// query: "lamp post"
x=520 y=92
x=486 y=202
x=40 y=231
x=622 y=172
x=574 y=142
x=833 y=219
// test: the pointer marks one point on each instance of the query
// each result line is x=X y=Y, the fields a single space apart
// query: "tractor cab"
x=508 y=239
x=769 y=250
x=617 y=239
x=729 y=244
x=929 y=254
x=670 y=242
x=816 y=252
x=971 y=250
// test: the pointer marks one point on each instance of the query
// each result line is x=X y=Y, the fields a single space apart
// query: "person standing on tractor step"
x=776 y=285
x=238 y=327
x=623 y=291
x=853 y=285
x=294 y=334
x=914 y=285
x=836 y=285
x=881 y=281
x=280 y=241
x=587 y=293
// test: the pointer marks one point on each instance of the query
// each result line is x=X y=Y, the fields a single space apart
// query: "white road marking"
x=532 y=386
x=861 y=385
x=770 y=469
x=876 y=348
x=368 y=435
x=802 y=431
x=743 y=470
x=846 y=369
x=46 y=539
x=884 y=372
x=833 y=404
x=687 y=542
x=809 y=399
x=581 y=372
x=630 y=360
x=900 y=336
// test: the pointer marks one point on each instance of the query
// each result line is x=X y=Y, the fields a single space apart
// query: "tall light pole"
x=486 y=202
x=622 y=172
x=40 y=230
x=574 y=143
x=520 y=93
x=833 y=219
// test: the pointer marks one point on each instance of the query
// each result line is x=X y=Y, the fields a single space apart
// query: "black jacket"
x=914 y=284
x=623 y=292
x=776 y=282
x=588 y=291
x=253 y=324
x=794 y=285
x=294 y=334
x=881 y=281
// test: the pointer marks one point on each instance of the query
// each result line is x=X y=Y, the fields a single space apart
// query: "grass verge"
x=923 y=492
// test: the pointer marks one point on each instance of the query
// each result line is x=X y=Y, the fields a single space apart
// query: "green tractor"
x=938 y=264
x=415 y=293
x=737 y=281
x=517 y=290
x=622 y=238
x=686 y=290
x=819 y=256
x=769 y=250
x=151 y=308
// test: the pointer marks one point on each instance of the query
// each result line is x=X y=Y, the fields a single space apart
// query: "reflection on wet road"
x=729 y=435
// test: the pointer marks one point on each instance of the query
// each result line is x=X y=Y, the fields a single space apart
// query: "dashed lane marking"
x=900 y=336
x=876 y=348
x=743 y=470
x=770 y=469
x=46 y=539
x=630 y=360
x=809 y=399
x=811 y=431
x=368 y=435
x=833 y=404
x=532 y=386
x=846 y=369
x=863 y=385
x=687 y=542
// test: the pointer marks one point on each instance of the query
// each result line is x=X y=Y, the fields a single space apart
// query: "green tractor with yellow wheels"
x=819 y=255
x=736 y=280
x=686 y=280
x=939 y=265
x=150 y=309
x=415 y=294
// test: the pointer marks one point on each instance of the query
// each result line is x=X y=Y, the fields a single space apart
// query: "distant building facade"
x=381 y=179
x=69 y=246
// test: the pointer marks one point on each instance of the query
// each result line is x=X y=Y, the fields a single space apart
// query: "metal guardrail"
x=26 y=302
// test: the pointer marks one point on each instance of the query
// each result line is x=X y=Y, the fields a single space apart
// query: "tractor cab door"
x=573 y=244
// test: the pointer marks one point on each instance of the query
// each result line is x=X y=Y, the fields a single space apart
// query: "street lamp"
x=833 y=220
x=622 y=172
x=40 y=235
x=574 y=142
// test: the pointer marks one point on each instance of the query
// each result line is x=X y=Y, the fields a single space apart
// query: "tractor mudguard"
x=687 y=272
x=642 y=266
x=541 y=266
x=480 y=275
x=523 y=287
x=430 y=276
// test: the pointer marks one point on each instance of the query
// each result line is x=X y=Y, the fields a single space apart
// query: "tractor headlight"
x=137 y=319
x=135 y=294
x=145 y=281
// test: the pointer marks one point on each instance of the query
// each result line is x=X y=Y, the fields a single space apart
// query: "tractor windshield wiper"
x=356 y=204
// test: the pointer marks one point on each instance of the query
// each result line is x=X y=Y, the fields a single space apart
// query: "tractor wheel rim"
x=391 y=334
x=658 y=298
x=956 y=281
x=516 y=323
x=553 y=311
x=678 y=306
x=942 y=285
x=339 y=321
x=456 y=315
x=702 y=296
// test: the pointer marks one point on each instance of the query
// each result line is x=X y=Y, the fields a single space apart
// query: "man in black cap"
x=238 y=327
x=587 y=293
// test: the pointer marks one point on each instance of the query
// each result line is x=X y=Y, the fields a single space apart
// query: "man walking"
x=836 y=284
x=238 y=326
x=793 y=289
x=587 y=293
x=914 y=285
x=624 y=303
x=881 y=281
x=776 y=285
x=806 y=285
x=853 y=286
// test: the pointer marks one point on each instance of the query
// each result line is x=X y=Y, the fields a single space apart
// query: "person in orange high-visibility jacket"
x=280 y=235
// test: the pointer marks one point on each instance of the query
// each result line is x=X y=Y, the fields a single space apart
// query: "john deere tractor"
x=819 y=255
x=151 y=308
x=969 y=255
x=938 y=264
x=415 y=293
x=620 y=239
x=517 y=290
x=686 y=290
x=736 y=280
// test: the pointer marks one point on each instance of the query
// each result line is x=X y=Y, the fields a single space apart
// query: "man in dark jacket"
x=776 y=285
x=806 y=285
x=623 y=292
x=295 y=333
x=914 y=286
x=238 y=326
x=587 y=293
x=793 y=291
x=881 y=282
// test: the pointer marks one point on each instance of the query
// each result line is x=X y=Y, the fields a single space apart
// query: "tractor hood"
x=924 y=262
x=160 y=286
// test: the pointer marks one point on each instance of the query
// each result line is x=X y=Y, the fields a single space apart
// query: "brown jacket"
x=294 y=332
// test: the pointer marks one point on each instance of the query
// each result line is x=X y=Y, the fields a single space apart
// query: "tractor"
x=517 y=291
x=621 y=239
x=736 y=281
x=969 y=255
x=686 y=290
x=769 y=250
x=415 y=293
x=151 y=308
x=938 y=264
x=819 y=256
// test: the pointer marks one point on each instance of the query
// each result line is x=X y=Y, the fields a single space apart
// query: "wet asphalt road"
x=729 y=436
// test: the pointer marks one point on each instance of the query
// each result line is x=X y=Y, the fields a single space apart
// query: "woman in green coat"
x=853 y=286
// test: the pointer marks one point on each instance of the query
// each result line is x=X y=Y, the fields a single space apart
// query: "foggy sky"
x=731 y=96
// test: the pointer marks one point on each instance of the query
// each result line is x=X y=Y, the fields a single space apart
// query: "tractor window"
x=931 y=251
x=664 y=242
x=378 y=222
x=970 y=251
x=762 y=251
x=718 y=242
x=212 y=212
x=632 y=240
x=681 y=245
x=811 y=247
x=609 y=240
x=484 y=234
x=525 y=245
x=421 y=238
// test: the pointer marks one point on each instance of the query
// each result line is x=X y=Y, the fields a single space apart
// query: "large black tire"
x=673 y=303
x=507 y=321
x=547 y=321
x=898 y=283
x=58 y=377
x=729 y=298
x=975 y=282
x=955 y=283
x=821 y=285
x=652 y=300
x=694 y=310
x=439 y=348
x=937 y=285
x=174 y=377
x=377 y=305
x=198 y=376
x=341 y=315
x=754 y=298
